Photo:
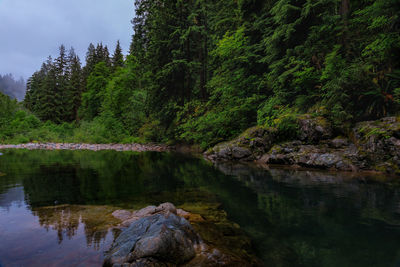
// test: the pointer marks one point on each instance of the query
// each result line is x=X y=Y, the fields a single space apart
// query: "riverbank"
x=93 y=147
x=314 y=143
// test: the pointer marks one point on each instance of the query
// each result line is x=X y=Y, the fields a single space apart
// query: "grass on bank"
x=25 y=128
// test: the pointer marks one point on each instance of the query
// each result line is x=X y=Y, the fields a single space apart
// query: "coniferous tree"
x=74 y=86
x=117 y=58
x=61 y=87
x=205 y=70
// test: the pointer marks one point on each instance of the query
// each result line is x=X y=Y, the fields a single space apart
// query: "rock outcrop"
x=249 y=146
x=372 y=145
x=379 y=142
x=161 y=236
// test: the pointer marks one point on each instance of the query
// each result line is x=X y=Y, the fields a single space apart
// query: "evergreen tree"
x=202 y=71
x=117 y=58
x=60 y=89
x=96 y=87
x=74 y=86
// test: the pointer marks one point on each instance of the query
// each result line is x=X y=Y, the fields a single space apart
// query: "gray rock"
x=240 y=153
x=312 y=130
x=374 y=145
x=224 y=152
x=250 y=145
x=339 y=142
x=163 y=237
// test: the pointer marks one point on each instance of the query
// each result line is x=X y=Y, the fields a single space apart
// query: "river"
x=52 y=206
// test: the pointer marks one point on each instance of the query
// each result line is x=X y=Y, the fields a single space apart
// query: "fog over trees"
x=12 y=87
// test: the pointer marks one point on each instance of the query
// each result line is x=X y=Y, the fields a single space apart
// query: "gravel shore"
x=94 y=147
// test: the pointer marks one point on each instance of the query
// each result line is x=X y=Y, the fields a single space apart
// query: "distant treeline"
x=202 y=71
x=11 y=87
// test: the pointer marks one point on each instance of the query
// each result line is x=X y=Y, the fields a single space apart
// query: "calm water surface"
x=50 y=203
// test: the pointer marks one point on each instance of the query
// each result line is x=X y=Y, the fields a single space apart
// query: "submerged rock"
x=161 y=236
x=165 y=238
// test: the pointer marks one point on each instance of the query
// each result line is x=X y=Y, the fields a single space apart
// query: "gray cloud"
x=31 y=30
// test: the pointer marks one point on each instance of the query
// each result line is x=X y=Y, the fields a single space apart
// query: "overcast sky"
x=31 y=30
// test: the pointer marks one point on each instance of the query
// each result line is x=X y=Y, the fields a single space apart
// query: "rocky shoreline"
x=368 y=146
x=93 y=147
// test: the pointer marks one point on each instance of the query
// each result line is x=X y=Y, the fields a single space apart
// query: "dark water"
x=294 y=218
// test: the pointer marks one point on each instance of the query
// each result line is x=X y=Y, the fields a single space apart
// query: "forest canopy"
x=201 y=71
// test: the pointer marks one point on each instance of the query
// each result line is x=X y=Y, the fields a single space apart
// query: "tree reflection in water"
x=308 y=218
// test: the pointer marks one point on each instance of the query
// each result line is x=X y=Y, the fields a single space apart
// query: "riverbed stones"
x=93 y=147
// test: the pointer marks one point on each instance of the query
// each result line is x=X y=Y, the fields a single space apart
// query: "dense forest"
x=200 y=72
x=11 y=87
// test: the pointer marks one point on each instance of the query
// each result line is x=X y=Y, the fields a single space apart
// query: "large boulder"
x=258 y=140
x=249 y=146
x=164 y=236
x=314 y=129
x=312 y=156
x=154 y=235
x=380 y=141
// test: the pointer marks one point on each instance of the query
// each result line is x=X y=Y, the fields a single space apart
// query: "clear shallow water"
x=294 y=218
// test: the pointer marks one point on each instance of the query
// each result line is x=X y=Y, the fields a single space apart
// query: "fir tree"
x=118 y=57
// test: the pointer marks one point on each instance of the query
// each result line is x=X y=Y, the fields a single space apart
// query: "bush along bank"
x=369 y=145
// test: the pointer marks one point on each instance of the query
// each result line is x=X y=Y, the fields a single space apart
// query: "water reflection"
x=326 y=219
x=55 y=238
x=66 y=220
x=14 y=195
x=61 y=201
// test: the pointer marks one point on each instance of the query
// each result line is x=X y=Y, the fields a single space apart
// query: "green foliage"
x=203 y=71
x=15 y=122
x=7 y=108
x=96 y=87
x=285 y=119
x=103 y=129
x=288 y=126
x=233 y=95
x=152 y=131
x=124 y=99
x=270 y=110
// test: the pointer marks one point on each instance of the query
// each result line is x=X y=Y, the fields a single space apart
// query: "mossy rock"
x=218 y=232
x=384 y=128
